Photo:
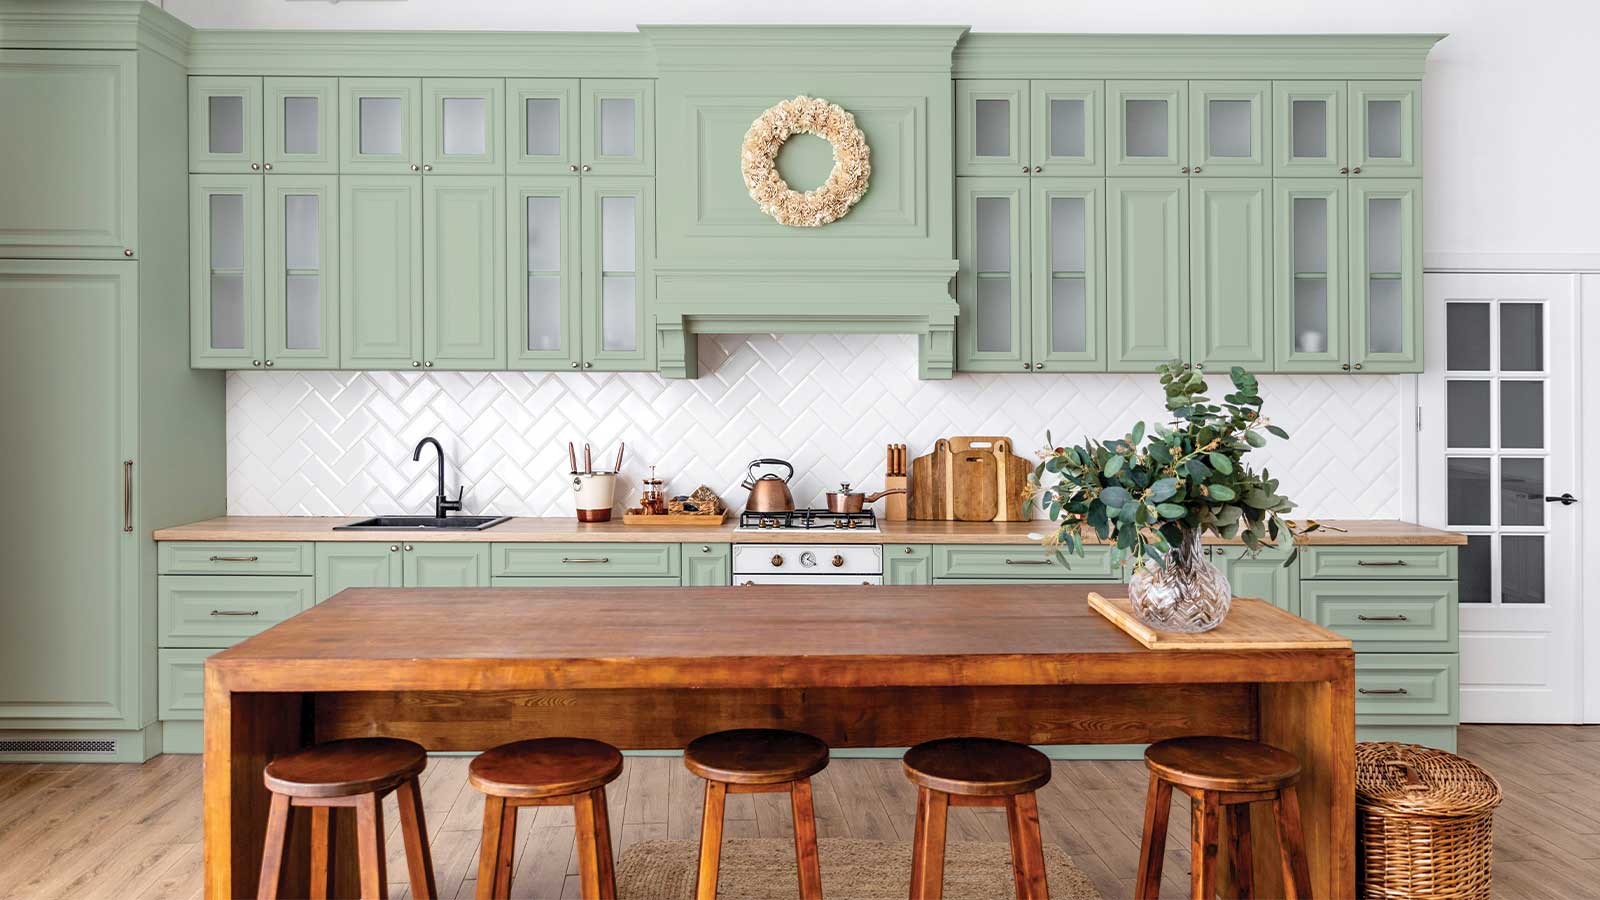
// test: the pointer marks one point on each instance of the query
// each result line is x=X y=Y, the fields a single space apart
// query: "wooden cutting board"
x=930 y=483
x=1250 y=625
x=975 y=482
x=1012 y=474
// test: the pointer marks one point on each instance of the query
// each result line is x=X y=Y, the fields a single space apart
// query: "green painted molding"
x=1310 y=56
x=824 y=48
x=421 y=54
x=94 y=25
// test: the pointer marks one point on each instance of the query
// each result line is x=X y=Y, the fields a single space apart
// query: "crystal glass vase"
x=1187 y=594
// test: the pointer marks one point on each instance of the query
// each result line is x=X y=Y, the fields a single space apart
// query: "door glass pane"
x=616 y=126
x=1383 y=129
x=302 y=238
x=227 y=311
x=225 y=124
x=1068 y=325
x=1384 y=244
x=466 y=126
x=1310 y=235
x=1228 y=128
x=994 y=234
x=227 y=231
x=300 y=125
x=1521 y=337
x=1068 y=241
x=1467 y=412
x=1386 y=325
x=1467 y=491
x=1475 y=569
x=302 y=321
x=1310 y=135
x=544 y=234
x=1522 y=414
x=381 y=126
x=617 y=234
x=1067 y=128
x=544 y=312
x=994 y=314
x=1311 y=315
x=1144 y=127
x=1521 y=491
x=543 y=126
x=992 y=128
x=1522 y=568
x=618 y=304
x=1466 y=328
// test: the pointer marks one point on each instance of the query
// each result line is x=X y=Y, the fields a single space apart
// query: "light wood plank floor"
x=118 y=831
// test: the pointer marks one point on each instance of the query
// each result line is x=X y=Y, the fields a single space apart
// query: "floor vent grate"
x=57 y=746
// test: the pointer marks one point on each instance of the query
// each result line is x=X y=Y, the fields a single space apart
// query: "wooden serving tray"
x=678 y=520
x=1250 y=625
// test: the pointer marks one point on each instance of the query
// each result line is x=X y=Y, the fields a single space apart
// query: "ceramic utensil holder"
x=593 y=493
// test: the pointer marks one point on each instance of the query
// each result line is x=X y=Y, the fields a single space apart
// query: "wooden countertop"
x=555 y=530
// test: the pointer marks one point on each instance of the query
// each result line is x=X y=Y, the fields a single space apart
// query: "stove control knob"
x=837 y=560
x=808 y=559
x=747 y=584
x=777 y=559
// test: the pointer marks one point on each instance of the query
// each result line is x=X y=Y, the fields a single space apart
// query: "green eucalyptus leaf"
x=1255 y=439
x=1219 y=492
x=1278 y=431
x=1113 y=465
x=1162 y=489
x=1221 y=463
x=1115 y=496
x=1170 y=511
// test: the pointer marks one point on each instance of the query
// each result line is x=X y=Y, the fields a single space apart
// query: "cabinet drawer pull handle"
x=1386 y=562
x=576 y=559
x=127 y=495
x=1382 y=618
x=234 y=558
x=1382 y=691
x=236 y=612
x=1028 y=562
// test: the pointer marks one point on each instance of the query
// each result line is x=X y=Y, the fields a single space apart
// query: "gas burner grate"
x=809 y=519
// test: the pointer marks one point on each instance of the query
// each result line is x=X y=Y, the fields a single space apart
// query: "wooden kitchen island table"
x=857 y=666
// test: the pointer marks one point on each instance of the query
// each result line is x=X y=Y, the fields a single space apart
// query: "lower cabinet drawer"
x=1390 y=616
x=1021 y=561
x=1408 y=688
x=235 y=558
x=181 y=683
x=218 y=610
x=577 y=581
x=585 y=560
x=1388 y=562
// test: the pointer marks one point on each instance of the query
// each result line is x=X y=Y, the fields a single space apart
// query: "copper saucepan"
x=845 y=500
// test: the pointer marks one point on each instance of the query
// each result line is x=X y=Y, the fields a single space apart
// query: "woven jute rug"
x=763 y=868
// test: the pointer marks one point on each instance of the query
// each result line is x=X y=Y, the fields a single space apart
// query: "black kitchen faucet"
x=441 y=503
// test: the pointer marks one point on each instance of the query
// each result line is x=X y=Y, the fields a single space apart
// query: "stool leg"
x=1027 y=848
x=489 y=846
x=1292 y=846
x=321 y=858
x=507 y=855
x=927 y=847
x=596 y=876
x=369 y=846
x=1239 y=851
x=710 y=841
x=1153 y=847
x=1203 y=840
x=272 y=855
x=805 y=840
x=413 y=828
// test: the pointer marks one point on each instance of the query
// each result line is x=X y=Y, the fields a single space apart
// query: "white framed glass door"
x=1498 y=461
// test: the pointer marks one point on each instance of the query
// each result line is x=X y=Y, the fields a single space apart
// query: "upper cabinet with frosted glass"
x=596 y=126
x=444 y=126
x=1218 y=129
x=263 y=125
x=1326 y=129
x=1040 y=127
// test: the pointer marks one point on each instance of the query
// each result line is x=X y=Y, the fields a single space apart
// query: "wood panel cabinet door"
x=1308 y=129
x=1068 y=127
x=545 y=258
x=380 y=272
x=542 y=126
x=463 y=126
x=1230 y=129
x=1147 y=272
x=380 y=126
x=618 y=235
x=1386 y=129
x=464 y=272
x=1311 y=314
x=1147 y=128
x=618 y=126
x=70 y=144
x=707 y=565
x=1068 y=274
x=358 y=565
x=1385 y=275
x=301 y=126
x=225 y=124
x=992 y=247
x=72 y=619
x=445 y=565
x=1230 y=273
x=302 y=271
x=225 y=260
x=992 y=127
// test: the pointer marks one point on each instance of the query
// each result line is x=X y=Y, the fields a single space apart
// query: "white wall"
x=1510 y=116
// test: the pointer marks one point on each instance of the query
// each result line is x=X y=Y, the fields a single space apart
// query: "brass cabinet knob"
x=1346 y=367
x=572 y=168
x=1344 y=170
x=1184 y=170
x=1038 y=169
x=427 y=168
x=128 y=252
x=1356 y=171
x=777 y=559
x=267 y=166
x=268 y=363
x=255 y=167
x=255 y=362
x=415 y=167
x=1358 y=365
x=415 y=364
x=585 y=167
x=838 y=561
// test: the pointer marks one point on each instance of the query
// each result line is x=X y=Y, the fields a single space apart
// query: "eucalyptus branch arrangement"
x=1142 y=493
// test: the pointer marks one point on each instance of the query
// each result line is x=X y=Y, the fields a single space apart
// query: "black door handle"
x=1564 y=499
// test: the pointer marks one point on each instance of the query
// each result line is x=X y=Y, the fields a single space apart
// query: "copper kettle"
x=769 y=493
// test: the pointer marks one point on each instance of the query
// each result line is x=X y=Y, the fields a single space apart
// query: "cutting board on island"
x=969 y=478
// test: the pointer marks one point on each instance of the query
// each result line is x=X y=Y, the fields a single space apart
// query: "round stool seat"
x=545 y=767
x=346 y=768
x=1222 y=764
x=977 y=767
x=756 y=756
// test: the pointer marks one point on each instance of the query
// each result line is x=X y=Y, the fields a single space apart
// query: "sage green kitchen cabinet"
x=617 y=124
x=1262 y=575
x=1230 y=129
x=1147 y=128
x=1067 y=283
x=380 y=126
x=542 y=126
x=584 y=559
x=1067 y=127
x=992 y=228
x=226 y=290
x=1147 y=272
x=1311 y=309
x=707 y=565
x=992 y=127
x=999 y=563
x=70 y=145
x=464 y=272
x=220 y=610
x=907 y=564
x=1230 y=274
x=463 y=126
x=301 y=258
x=545 y=307
x=1309 y=123
x=225 y=134
x=617 y=225
x=380 y=272
x=300 y=126
x=1385 y=275
x=1385 y=129
x=1018 y=127
x=1387 y=616
x=444 y=564
x=347 y=565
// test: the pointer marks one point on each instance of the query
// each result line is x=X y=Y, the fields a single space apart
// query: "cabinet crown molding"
x=1309 y=56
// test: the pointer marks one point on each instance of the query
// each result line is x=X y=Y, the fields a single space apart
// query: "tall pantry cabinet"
x=109 y=433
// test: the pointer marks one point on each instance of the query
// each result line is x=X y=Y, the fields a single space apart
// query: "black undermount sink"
x=423 y=523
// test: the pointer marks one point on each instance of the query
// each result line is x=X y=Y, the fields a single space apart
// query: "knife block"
x=894 y=505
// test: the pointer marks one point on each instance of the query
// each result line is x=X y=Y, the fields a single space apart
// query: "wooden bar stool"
x=354 y=773
x=1222 y=776
x=546 y=772
x=757 y=761
x=977 y=772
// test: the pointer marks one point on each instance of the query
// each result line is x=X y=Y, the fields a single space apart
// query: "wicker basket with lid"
x=1424 y=819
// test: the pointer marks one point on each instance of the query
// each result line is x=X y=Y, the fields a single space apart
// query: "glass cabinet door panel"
x=380 y=122
x=1309 y=268
x=617 y=118
x=544 y=267
x=616 y=250
x=301 y=137
x=225 y=124
x=382 y=125
x=1386 y=128
x=619 y=300
x=463 y=126
x=991 y=246
x=225 y=254
x=542 y=133
x=542 y=126
x=618 y=129
x=1067 y=136
x=1308 y=128
x=1385 y=253
x=302 y=261
x=1147 y=128
x=465 y=121
x=1067 y=288
x=992 y=127
x=1230 y=128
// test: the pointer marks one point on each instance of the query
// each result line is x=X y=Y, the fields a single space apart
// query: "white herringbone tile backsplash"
x=339 y=443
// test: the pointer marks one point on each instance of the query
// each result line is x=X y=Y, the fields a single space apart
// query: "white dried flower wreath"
x=846 y=184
